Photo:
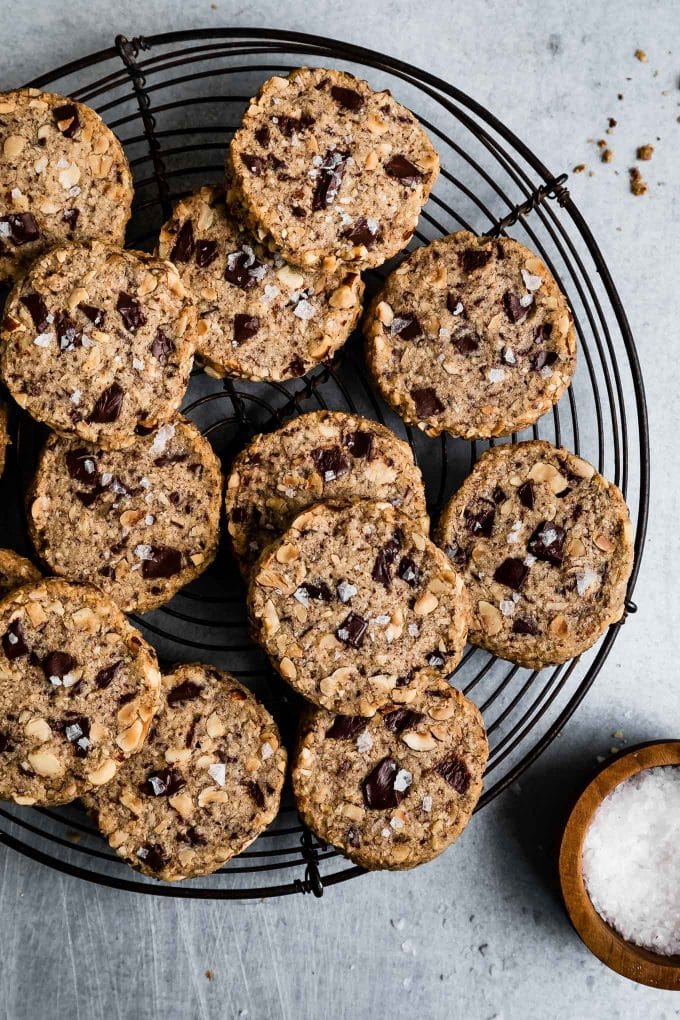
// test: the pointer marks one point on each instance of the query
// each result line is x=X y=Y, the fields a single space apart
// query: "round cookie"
x=65 y=177
x=4 y=435
x=15 y=570
x=78 y=689
x=546 y=544
x=323 y=455
x=351 y=604
x=472 y=336
x=140 y=523
x=323 y=165
x=99 y=342
x=394 y=790
x=206 y=783
x=260 y=318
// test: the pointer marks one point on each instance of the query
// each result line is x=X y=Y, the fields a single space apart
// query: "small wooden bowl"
x=624 y=957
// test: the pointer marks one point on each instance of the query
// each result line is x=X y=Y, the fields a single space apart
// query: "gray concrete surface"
x=481 y=933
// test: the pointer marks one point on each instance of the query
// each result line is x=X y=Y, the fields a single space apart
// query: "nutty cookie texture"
x=321 y=456
x=323 y=165
x=4 y=435
x=15 y=570
x=351 y=604
x=546 y=544
x=472 y=336
x=65 y=177
x=206 y=783
x=260 y=318
x=78 y=689
x=99 y=342
x=140 y=523
x=394 y=790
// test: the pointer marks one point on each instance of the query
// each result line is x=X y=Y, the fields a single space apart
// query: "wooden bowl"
x=624 y=957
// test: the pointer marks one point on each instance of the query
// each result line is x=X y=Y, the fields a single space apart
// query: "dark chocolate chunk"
x=289 y=126
x=402 y=169
x=345 y=727
x=319 y=592
x=353 y=837
x=163 y=783
x=524 y=625
x=243 y=269
x=407 y=326
x=94 y=314
x=263 y=136
x=514 y=309
x=512 y=572
x=14 y=641
x=479 y=517
x=162 y=347
x=37 y=309
x=67 y=120
x=455 y=305
x=206 y=253
x=68 y=334
x=297 y=366
x=359 y=444
x=547 y=543
x=455 y=772
x=130 y=312
x=255 y=164
x=22 y=227
x=104 y=678
x=88 y=499
x=408 y=571
x=542 y=332
x=498 y=496
x=70 y=216
x=184 y=246
x=329 y=179
x=77 y=732
x=474 y=258
x=107 y=406
x=427 y=402
x=298 y=212
x=382 y=567
x=153 y=856
x=352 y=630
x=171 y=458
x=378 y=786
x=181 y=693
x=457 y=554
x=465 y=339
x=255 y=791
x=544 y=359
x=161 y=561
x=82 y=466
x=402 y=719
x=6 y=744
x=57 y=665
x=365 y=231
x=347 y=98
x=526 y=495
x=245 y=327
x=330 y=462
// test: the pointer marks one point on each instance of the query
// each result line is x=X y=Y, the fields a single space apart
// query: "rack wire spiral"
x=174 y=100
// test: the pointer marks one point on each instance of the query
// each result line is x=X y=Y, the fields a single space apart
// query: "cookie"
x=78 y=689
x=323 y=165
x=472 y=336
x=394 y=790
x=324 y=455
x=65 y=177
x=140 y=523
x=4 y=435
x=99 y=342
x=546 y=544
x=206 y=783
x=260 y=318
x=15 y=570
x=351 y=604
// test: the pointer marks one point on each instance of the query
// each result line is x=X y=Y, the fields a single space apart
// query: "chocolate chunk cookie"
x=394 y=790
x=64 y=177
x=471 y=335
x=4 y=435
x=204 y=786
x=350 y=604
x=546 y=544
x=323 y=165
x=15 y=570
x=324 y=455
x=140 y=523
x=78 y=689
x=99 y=342
x=260 y=318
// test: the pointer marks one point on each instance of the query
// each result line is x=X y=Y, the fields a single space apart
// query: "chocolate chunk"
x=455 y=305
x=455 y=772
x=359 y=444
x=243 y=269
x=498 y=496
x=67 y=120
x=542 y=332
x=77 y=731
x=406 y=326
x=298 y=212
x=365 y=231
x=297 y=366
x=14 y=641
x=329 y=179
x=289 y=126
x=163 y=783
x=255 y=164
x=474 y=258
x=263 y=136
x=130 y=312
x=435 y=659
x=479 y=517
x=382 y=572
x=245 y=327
x=181 y=693
x=58 y=665
x=465 y=339
x=184 y=246
x=513 y=307
x=94 y=314
x=6 y=744
x=70 y=216
x=353 y=837
x=457 y=554
x=346 y=727
x=161 y=561
x=108 y=405
x=255 y=792
x=37 y=309
x=330 y=462
x=402 y=169
x=162 y=347
x=319 y=592
x=68 y=334
x=22 y=227
x=105 y=676
x=378 y=786
x=526 y=495
x=352 y=630
x=409 y=572
x=206 y=253
x=427 y=402
x=547 y=543
x=171 y=458
x=88 y=499
x=524 y=625
x=402 y=719
x=544 y=359
x=153 y=856
x=512 y=572
x=81 y=466
x=347 y=98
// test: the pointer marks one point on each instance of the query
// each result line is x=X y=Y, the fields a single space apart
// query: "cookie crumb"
x=645 y=152
x=209 y=974
x=73 y=837
x=637 y=185
x=620 y=96
x=579 y=168
x=641 y=56
x=612 y=124
x=606 y=155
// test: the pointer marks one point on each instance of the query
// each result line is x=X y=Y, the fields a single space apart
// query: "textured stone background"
x=480 y=933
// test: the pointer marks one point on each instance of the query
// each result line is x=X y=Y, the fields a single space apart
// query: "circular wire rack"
x=174 y=100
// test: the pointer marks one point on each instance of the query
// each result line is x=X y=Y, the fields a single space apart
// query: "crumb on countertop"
x=579 y=168
x=606 y=155
x=645 y=152
x=637 y=184
x=209 y=974
x=640 y=55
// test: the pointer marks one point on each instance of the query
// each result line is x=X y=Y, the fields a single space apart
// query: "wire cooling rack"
x=175 y=100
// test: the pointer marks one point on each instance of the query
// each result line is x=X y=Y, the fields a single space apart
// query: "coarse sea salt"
x=631 y=865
